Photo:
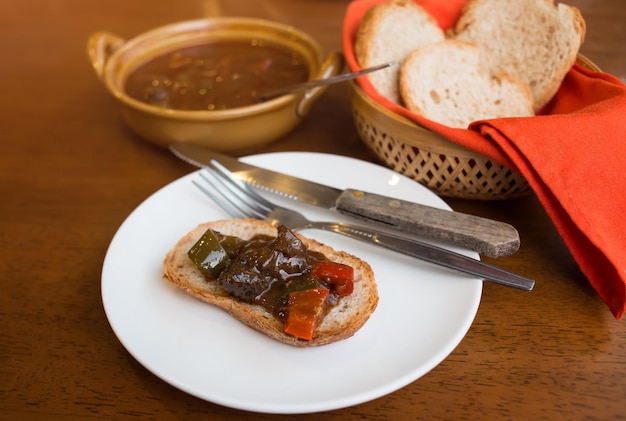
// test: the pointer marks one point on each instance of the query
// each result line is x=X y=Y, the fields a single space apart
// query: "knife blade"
x=483 y=235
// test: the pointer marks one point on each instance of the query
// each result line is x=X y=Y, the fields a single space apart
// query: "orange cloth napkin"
x=573 y=155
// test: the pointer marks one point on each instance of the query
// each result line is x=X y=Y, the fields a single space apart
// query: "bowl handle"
x=333 y=64
x=100 y=46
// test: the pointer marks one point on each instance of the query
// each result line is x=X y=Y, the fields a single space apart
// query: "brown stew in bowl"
x=216 y=76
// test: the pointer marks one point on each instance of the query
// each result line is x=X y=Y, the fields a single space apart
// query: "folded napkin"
x=573 y=155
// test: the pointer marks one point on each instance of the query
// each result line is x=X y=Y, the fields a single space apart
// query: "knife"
x=486 y=236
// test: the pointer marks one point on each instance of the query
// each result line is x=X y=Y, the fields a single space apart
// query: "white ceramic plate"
x=423 y=312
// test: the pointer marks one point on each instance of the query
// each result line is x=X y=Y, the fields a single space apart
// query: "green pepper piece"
x=301 y=285
x=209 y=255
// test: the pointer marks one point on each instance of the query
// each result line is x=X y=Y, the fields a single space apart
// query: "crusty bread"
x=445 y=82
x=389 y=32
x=533 y=40
x=341 y=322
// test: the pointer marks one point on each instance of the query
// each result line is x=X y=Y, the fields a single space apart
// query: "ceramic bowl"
x=235 y=129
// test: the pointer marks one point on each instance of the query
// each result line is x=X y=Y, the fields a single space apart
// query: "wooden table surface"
x=71 y=172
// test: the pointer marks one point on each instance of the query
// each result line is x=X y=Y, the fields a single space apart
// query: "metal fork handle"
x=431 y=254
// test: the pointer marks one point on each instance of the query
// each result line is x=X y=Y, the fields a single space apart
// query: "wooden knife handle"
x=486 y=236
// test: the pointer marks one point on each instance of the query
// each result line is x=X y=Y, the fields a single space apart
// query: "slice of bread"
x=446 y=82
x=533 y=40
x=389 y=32
x=342 y=321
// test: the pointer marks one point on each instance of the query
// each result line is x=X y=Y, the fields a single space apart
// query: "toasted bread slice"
x=533 y=40
x=389 y=32
x=445 y=82
x=341 y=322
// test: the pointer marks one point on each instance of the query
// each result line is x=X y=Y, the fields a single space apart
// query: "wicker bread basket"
x=445 y=167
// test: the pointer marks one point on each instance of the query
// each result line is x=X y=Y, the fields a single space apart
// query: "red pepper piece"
x=305 y=311
x=339 y=276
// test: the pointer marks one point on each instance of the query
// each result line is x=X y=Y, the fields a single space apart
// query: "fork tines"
x=237 y=199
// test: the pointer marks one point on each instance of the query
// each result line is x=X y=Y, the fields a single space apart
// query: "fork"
x=241 y=201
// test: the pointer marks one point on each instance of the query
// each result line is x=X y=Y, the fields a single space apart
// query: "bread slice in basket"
x=389 y=32
x=446 y=82
x=533 y=40
x=342 y=321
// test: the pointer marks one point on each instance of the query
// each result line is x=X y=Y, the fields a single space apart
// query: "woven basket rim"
x=415 y=134
x=418 y=135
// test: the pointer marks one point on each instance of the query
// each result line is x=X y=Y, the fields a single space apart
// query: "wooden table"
x=71 y=172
